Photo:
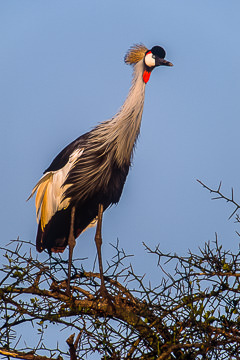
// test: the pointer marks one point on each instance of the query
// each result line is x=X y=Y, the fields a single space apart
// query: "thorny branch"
x=73 y=346
x=222 y=196
x=193 y=312
x=23 y=355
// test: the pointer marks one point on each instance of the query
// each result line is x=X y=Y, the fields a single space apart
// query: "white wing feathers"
x=50 y=191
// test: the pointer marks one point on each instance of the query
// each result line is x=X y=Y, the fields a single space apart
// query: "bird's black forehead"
x=158 y=51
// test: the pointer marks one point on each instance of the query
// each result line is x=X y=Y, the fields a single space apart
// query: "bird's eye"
x=153 y=56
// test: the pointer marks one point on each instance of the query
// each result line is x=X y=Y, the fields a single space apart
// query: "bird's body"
x=100 y=184
x=92 y=169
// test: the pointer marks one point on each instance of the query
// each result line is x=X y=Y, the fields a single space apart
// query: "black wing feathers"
x=62 y=158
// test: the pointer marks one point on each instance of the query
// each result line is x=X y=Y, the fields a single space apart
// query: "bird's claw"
x=102 y=292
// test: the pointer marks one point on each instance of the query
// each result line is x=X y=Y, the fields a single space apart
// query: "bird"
x=89 y=174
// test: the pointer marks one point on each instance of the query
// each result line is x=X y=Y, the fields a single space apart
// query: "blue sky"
x=62 y=72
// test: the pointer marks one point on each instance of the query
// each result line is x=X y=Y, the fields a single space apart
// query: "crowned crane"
x=88 y=175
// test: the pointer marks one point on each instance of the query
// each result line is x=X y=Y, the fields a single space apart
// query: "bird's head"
x=151 y=58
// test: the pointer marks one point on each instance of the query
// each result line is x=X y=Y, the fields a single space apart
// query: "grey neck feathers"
x=120 y=133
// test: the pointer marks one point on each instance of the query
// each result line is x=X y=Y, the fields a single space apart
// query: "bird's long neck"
x=119 y=134
x=126 y=124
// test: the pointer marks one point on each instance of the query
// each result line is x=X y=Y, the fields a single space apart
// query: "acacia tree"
x=192 y=313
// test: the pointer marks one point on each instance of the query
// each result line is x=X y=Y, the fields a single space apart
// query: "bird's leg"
x=71 y=244
x=98 y=241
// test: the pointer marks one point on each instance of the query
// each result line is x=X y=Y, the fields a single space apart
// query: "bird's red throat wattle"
x=146 y=76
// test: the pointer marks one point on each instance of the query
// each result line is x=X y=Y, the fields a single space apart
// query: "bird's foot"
x=68 y=292
x=102 y=292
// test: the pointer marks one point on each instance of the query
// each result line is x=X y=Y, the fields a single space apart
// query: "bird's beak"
x=160 y=61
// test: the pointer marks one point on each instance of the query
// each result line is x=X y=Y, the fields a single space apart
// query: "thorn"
x=233 y=213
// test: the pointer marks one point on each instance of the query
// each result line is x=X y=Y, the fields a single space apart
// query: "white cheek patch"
x=149 y=60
